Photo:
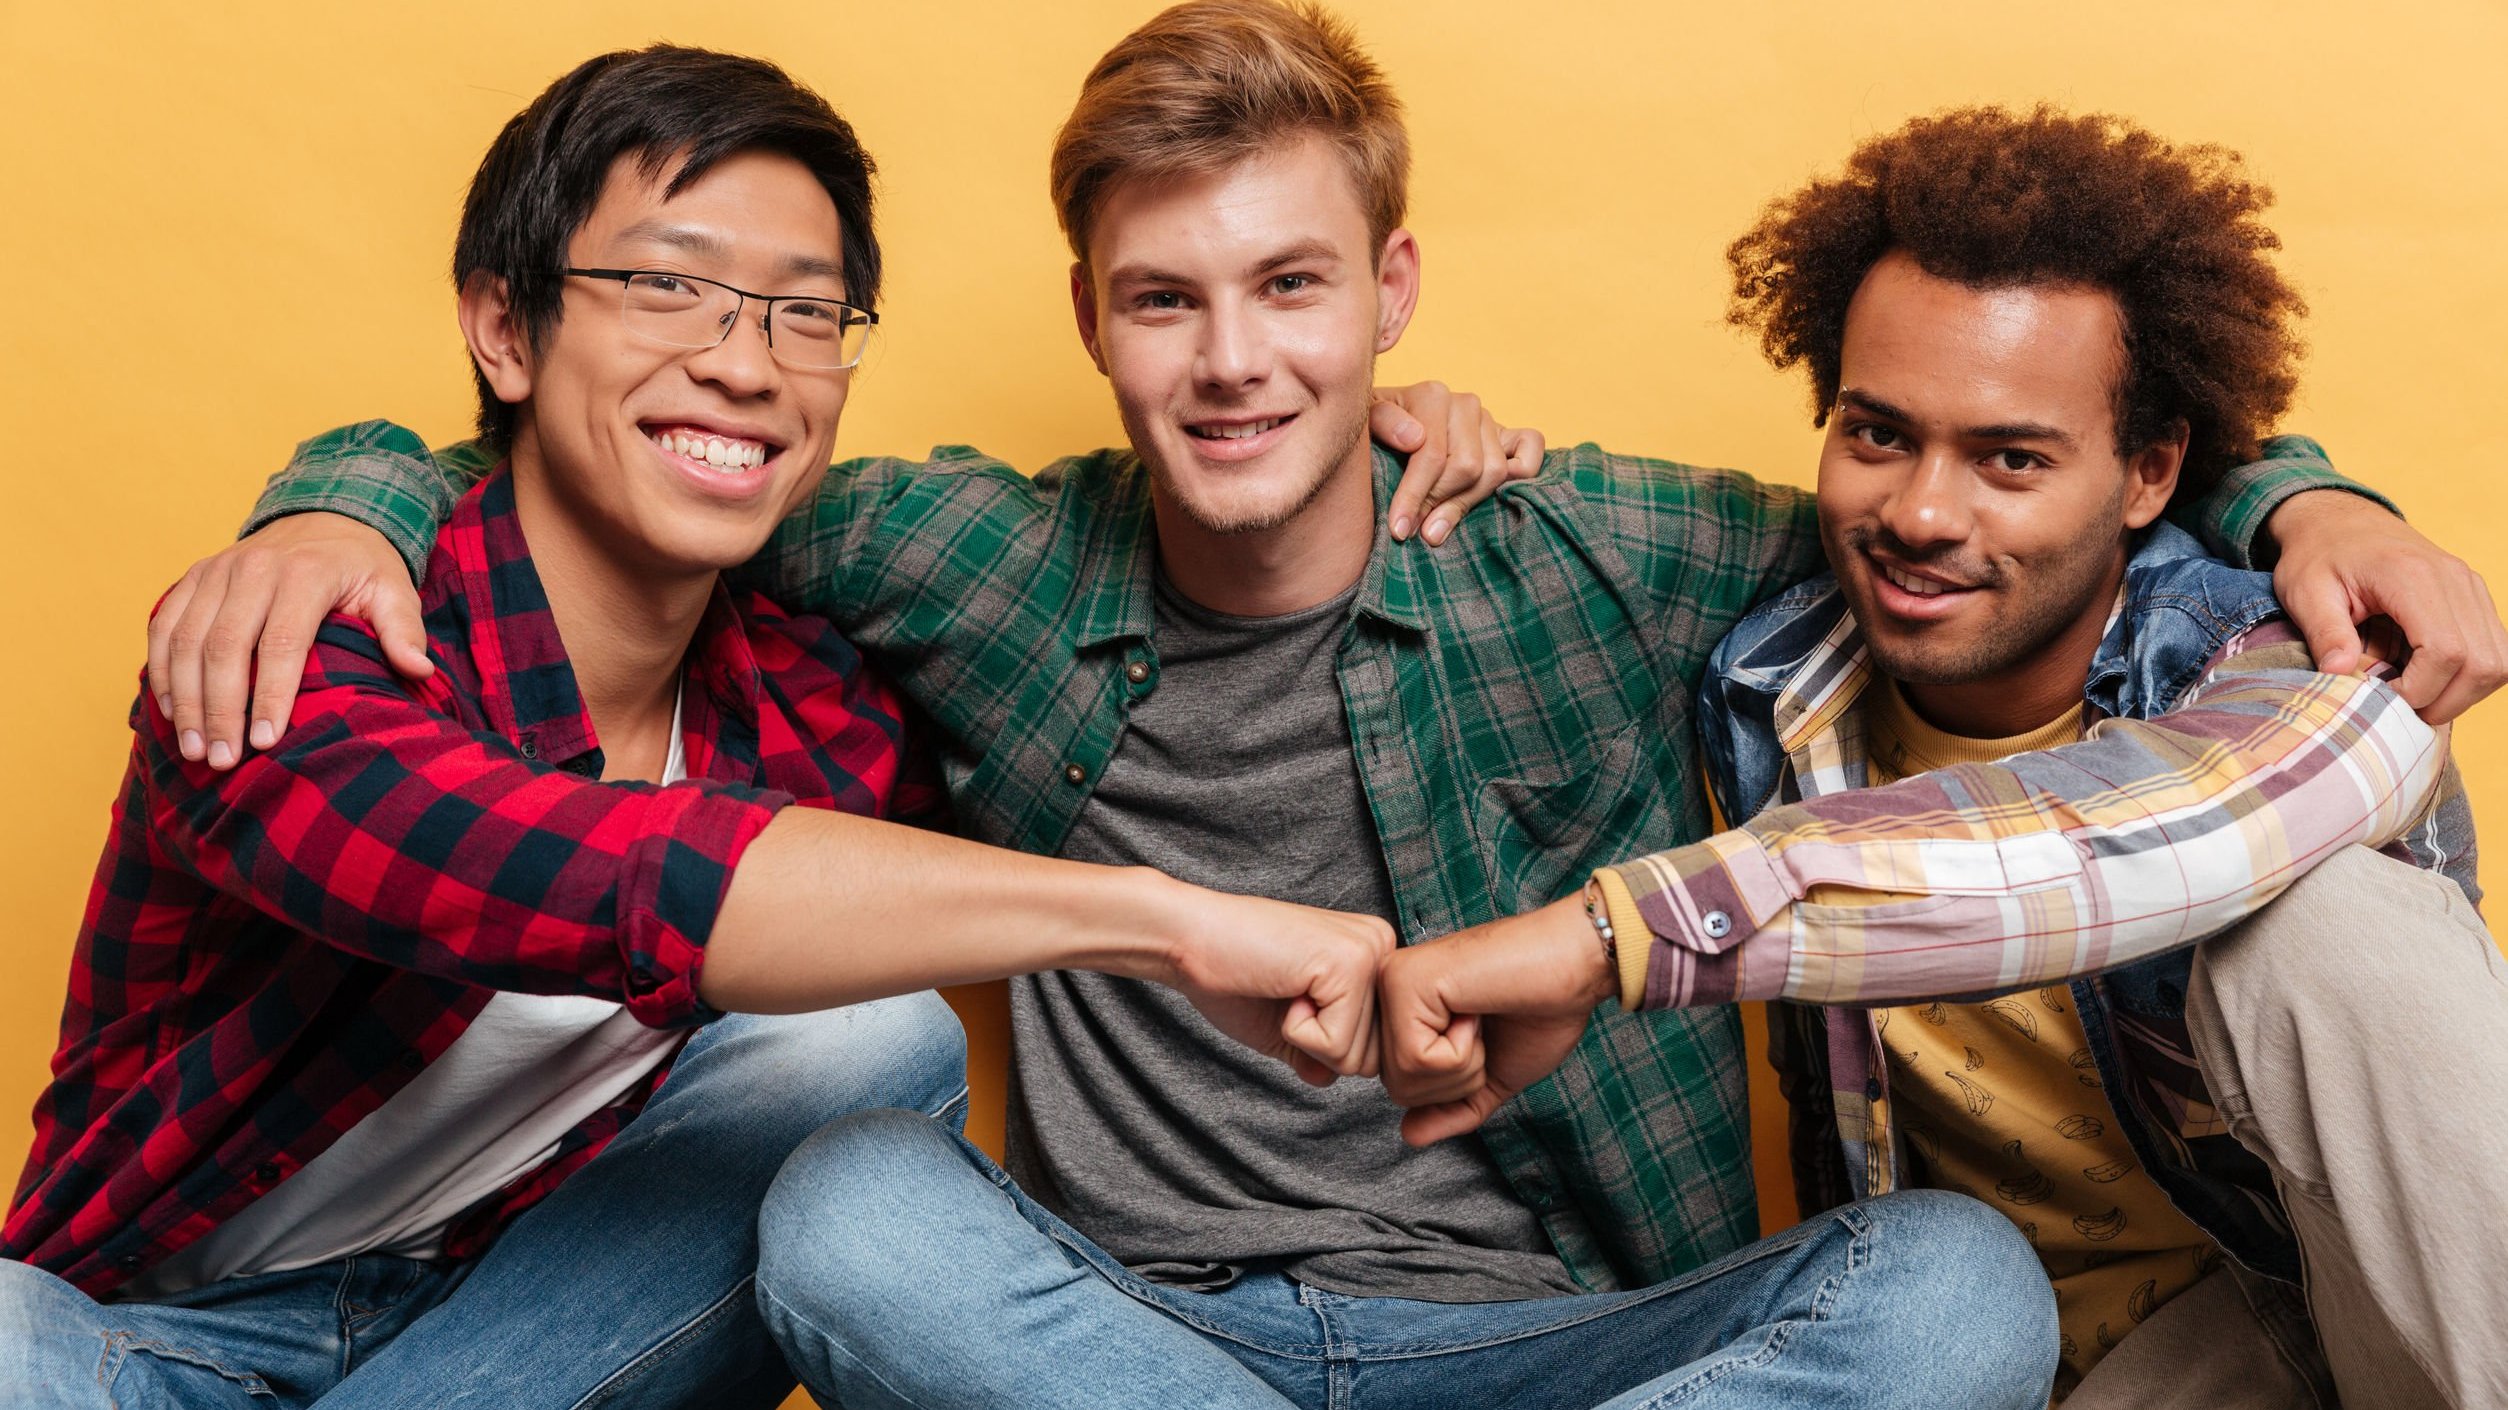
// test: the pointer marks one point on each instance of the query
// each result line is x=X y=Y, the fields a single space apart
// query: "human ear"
x=499 y=343
x=1397 y=288
x=1084 y=313
x=2151 y=477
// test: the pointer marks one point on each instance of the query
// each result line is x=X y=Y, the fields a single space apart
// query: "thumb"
x=1427 y=1125
x=403 y=632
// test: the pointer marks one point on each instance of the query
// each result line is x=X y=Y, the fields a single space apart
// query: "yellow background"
x=228 y=227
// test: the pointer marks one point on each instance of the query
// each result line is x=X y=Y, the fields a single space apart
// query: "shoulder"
x=2182 y=611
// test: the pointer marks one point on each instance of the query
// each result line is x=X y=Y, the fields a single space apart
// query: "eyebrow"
x=708 y=245
x=1996 y=431
x=1303 y=252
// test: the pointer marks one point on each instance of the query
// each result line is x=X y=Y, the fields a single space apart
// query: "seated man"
x=1197 y=652
x=376 y=1076
x=2025 y=333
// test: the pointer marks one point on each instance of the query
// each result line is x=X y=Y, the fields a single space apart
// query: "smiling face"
x=669 y=460
x=1972 y=497
x=1238 y=316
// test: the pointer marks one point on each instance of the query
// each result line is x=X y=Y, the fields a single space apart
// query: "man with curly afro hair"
x=2025 y=331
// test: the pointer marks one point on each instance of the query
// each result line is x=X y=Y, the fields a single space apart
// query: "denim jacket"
x=2179 y=616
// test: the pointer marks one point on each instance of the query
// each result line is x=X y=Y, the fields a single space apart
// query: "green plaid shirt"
x=1520 y=701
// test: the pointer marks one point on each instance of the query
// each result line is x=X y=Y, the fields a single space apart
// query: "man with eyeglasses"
x=1195 y=650
x=416 y=1058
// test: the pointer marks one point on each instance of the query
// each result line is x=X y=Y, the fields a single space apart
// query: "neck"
x=626 y=624
x=1312 y=558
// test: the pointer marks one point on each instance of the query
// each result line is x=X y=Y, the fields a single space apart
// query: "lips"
x=1234 y=431
x=719 y=462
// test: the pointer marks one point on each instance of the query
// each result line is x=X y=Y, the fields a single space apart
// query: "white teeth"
x=719 y=452
x=1922 y=587
x=1237 y=433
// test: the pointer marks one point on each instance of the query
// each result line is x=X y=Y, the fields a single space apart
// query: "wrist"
x=1592 y=963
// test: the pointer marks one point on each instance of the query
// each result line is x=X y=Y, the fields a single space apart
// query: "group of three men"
x=485 y=1024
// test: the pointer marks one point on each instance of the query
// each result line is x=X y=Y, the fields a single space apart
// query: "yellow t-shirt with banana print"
x=2000 y=1100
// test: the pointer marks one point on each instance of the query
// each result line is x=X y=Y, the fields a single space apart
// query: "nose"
x=1235 y=349
x=1928 y=507
x=742 y=364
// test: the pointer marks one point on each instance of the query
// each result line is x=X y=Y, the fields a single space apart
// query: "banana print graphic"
x=2085 y=1068
x=2144 y=1302
x=2099 y=1228
x=1932 y=1013
x=2029 y=1231
x=1975 y=1059
x=2111 y=1172
x=1979 y=1100
x=2081 y=1128
x=2053 y=998
x=2012 y=1013
x=2107 y=1339
x=2030 y=1186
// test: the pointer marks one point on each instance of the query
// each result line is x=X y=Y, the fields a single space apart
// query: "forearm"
x=2232 y=517
x=2150 y=835
x=828 y=908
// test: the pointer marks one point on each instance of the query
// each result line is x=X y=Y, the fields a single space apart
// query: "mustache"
x=1943 y=563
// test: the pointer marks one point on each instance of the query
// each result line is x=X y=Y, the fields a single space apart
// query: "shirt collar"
x=527 y=684
x=1118 y=572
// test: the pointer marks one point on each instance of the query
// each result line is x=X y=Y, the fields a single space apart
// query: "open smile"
x=719 y=461
x=1919 y=596
x=1237 y=438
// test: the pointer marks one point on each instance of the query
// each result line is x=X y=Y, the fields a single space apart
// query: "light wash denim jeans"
x=900 y=1267
x=630 y=1286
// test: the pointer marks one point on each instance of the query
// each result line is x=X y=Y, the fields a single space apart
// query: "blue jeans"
x=628 y=1286
x=902 y=1268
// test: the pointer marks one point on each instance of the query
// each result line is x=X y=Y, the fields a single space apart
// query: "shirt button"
x=640 y=980
x=1137 y=672
x=1717 y=925
x=1872 y=1089
x=1073 y=773
x=128 y=1260
x=266 y=1173
x=530 y=746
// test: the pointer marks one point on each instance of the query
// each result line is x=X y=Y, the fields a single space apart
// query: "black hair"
x=542 y=176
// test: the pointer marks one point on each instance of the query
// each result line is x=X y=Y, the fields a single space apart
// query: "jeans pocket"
x=173 y=1364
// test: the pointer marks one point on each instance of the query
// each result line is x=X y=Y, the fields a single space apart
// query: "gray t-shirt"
x=1181 y=1153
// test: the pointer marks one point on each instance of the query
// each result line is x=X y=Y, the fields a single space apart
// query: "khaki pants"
x=2355 y=1036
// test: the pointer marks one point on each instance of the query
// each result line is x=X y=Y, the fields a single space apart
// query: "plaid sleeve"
x=885 y=528
x=2230 y=519
x=2148 y=835
x=382 y=476
x=384 y=826
x=1708 y=544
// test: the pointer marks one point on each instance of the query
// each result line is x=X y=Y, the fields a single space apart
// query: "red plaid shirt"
x=270 y=953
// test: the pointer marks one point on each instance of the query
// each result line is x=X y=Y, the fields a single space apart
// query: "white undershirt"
x=490 y=1109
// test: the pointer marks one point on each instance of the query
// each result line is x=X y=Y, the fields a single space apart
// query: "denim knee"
x=50 y=1341
x=855 y=1205
x=1973 y=1301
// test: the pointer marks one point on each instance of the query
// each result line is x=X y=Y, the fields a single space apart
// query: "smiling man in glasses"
x=376 y=1082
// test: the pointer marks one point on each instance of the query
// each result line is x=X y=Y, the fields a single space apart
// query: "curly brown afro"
x=1993 y=199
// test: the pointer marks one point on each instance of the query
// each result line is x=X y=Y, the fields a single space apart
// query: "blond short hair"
x=1209 y=83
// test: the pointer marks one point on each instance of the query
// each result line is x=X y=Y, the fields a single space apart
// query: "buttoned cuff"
x=671 y=890
x=1701 y=905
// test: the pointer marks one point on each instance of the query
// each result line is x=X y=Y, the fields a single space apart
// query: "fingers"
x=286 y=639
x=226 y=661
x=2322 y=611
x=400 y=625
x=1397 y=428
x=161 y=639
x=186 y=644
x=1427 y=1125
x=1524 y=448
x=1475 y=468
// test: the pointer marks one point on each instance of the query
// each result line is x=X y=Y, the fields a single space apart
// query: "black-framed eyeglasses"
x=685 y=311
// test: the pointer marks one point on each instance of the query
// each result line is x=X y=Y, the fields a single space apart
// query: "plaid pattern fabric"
x=270 y=953
x=2172 y=824
x=2147 y=836
x=1521 y=703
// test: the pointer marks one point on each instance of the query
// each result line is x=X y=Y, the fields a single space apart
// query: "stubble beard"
x=1263 y=519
